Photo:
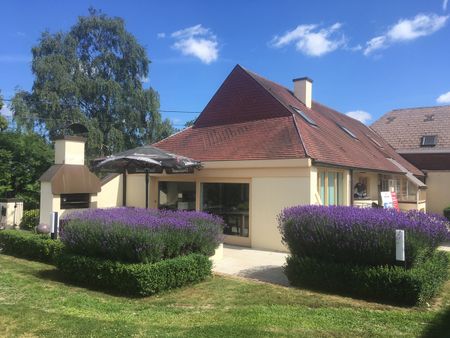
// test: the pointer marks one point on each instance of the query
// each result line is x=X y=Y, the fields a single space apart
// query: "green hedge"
x=390 y=284
x=140 y=279
x=447 y=213
x=25 y=244
x=30 y=219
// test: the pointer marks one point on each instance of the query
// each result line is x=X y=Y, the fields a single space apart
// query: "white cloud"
x=360 y=115
x=407 y=30
x=161 y=35
x=444 y=98
x=197 y=41
x=311 y=40
x=444 y=5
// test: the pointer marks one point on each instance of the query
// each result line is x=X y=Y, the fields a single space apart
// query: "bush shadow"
x=55 y=275
x=439 y=327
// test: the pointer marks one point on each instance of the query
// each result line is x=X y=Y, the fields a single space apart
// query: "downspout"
x=351 y=188
x=124 y=188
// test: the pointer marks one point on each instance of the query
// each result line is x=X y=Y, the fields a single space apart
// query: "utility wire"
x=160 y=110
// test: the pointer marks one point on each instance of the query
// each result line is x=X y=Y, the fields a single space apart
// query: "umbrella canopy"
x=146 y=159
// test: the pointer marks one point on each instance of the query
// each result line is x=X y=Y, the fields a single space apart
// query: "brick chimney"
x=303 y=90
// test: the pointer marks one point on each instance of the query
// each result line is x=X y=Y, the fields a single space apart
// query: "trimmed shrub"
x=30 y=219
x=139 y=235
x=139 y=279
x=447 y=213
x=25 y=244
x=358 y=236
x=391 y=284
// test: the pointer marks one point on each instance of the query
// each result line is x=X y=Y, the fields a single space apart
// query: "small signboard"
x=389 y=200
x=386 y=199
x=395 y=200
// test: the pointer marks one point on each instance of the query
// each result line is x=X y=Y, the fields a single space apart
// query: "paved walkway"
x=265 y=266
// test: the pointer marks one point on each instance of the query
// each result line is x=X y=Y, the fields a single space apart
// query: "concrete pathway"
x=265 y=266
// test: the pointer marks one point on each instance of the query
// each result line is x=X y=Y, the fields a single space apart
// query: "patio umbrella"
x=146 y=159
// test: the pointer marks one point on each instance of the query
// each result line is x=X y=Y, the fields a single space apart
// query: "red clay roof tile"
x=251 y=117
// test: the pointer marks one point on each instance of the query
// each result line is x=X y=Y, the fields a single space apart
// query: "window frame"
x=339 y=197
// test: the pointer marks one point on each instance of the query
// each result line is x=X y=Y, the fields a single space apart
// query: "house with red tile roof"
x=264 y=147
x=422 y=137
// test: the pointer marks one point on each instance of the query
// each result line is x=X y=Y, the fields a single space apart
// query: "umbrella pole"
x=146 y=188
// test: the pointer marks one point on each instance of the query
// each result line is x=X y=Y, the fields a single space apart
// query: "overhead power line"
x=159 y=110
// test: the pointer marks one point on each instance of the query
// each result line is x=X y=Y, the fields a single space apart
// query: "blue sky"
x=364 y=57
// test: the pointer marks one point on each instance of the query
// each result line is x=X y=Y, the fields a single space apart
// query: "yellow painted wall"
x=110 y=195
x=136 y=190
x=438 y=192
x=270 y=195
x=69 y=152
x=46 y=203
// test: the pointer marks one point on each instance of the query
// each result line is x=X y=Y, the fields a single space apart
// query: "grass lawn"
x=35 y=302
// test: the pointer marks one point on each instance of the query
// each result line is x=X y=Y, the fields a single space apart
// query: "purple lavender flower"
x=141 y=235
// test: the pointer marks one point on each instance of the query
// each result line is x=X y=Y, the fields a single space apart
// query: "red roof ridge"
x=424 y=107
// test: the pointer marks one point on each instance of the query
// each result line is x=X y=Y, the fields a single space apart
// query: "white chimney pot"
x=303 y=90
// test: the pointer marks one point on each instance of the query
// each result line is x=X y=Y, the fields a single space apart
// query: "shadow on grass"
x=268 y=273
x=55 y=275
x=439 y=327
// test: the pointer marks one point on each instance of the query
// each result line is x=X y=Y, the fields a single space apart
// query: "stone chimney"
x=69 y=150
x=303 y=90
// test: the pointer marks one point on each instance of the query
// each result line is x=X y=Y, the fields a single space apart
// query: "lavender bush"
x=141 y=235
x=358 y=236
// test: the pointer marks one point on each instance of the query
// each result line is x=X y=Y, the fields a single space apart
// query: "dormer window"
x=428 y=117
x=304 y=116
x=428 y=141
x=350 y=133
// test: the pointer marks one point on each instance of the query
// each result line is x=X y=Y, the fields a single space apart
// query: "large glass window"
x=176 y=195
x=231 y=202
x=330 y=187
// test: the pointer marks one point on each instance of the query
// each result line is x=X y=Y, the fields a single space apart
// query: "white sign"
x=400 y=245
x=386 y=199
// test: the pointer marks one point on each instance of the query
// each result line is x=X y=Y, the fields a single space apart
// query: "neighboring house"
x=265 y=148
x=422 y=136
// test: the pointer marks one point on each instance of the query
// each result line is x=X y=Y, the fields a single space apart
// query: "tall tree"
x=92 y=74
x=24 y=157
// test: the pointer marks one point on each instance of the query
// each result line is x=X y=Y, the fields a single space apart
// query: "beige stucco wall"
x=438 y=192
x=111 y=194
x=69 y=152
x=136 y=190
x=270 y=195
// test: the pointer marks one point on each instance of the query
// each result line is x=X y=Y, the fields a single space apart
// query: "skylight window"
x=428 y=141
x=351 y=134
x=304 y=116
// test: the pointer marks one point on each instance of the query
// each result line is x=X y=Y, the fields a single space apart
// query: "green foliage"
x=447 y=213
x=391 y=284
x=136 y=279
x=24 y=157
x=93 y=74
x=3 y=123
x=30 y=219
x=29 y=245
